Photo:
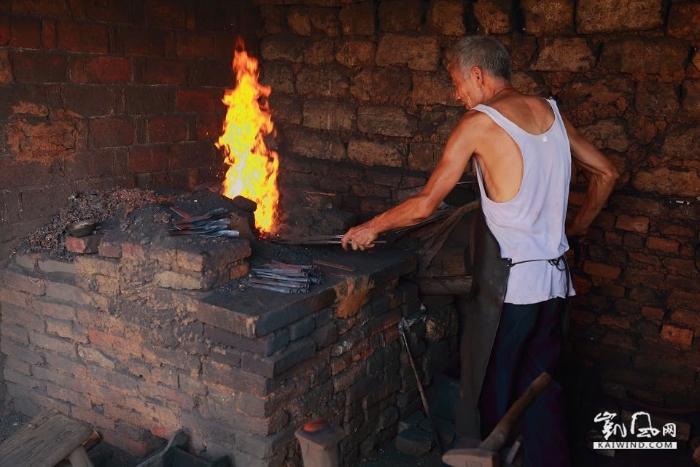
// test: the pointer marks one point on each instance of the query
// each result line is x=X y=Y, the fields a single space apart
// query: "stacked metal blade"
x=211 y=224
x=284 y=278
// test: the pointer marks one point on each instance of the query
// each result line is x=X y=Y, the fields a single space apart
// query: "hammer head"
x=473 y=457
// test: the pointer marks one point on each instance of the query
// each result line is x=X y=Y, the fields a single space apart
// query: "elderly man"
x=514 y=316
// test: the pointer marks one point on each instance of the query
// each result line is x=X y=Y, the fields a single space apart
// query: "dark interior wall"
x=96 y=94
x=364 y=106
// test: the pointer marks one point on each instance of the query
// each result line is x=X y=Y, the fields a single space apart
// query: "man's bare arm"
x=458 y=151
x=603 y=177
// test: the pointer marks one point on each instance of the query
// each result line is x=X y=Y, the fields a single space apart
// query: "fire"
x=253 y=167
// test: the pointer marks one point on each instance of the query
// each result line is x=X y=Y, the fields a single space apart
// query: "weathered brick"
x=39 y=67
x=424 y=156
x=329 y=115
x=381 y=86
x=681 y=267
x=318 y=53
x=282 y=47
x=25 y=283
x=371 y=153
x=52 y=344
x=143 y=159
x=168 y=129
x=194 y=45
x=25 y=33
x=602 y=270
x=681 y=337
x=625 y=15
x=107 y=69
x=168 y=71
x=668 y=181
x=493 y=16
x=683 y=19
x=643 y=55
x=400 y=15
x=358 y=19
x=418 y=53
x=5 y=68
x=165 y=14
x=315 y=144
x=632 y=224
x=111 y=132
x=198 y=100
x=296 y=352
x=83 y=245
x=93 y=355
x=82 y=37
x=354 y=54
x=546 y=17
x=433 y=88
x=563 y=54
x=386 y=121
x=89 y=101
x=654 y=314
x=691 y=96
x=664 y=245
x=322 y=83
x=299 y=22
x=656 y=99
x=607 y=134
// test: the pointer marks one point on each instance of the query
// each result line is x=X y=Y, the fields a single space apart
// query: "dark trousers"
x=528 y=342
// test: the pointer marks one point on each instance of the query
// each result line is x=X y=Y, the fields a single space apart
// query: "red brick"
x=24 y=283
x=195 y=45
x=654 y=314
x=19 y=366
x=209 y=126
x=688 y=318
x=111 y=132
x=4 y=30
x=48 y=34
x=39 y=67
x=147 y=159
x=166 y=14
x=25 y=33
x=93 y=418
x=681 y=267
x=664 y=245
x=602 y=270
x=168 y=129
x=108 y=69
x=83 y=245
x=139 y=41
x=614 y=321
x=679 y=336
x=89 y=101
x=53 y=344
x=83 y=37
x=632 y=224
x=199 y=100
x=5 y=68
x=109 y=11
x=683 y=299
x=192 y=155
x=42 y=8
x=165 y=71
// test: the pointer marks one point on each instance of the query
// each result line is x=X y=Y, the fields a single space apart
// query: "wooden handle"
x=500 y=433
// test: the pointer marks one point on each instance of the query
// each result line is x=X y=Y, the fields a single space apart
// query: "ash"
x=95 y=205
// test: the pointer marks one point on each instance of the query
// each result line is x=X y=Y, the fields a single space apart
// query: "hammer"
x=487 y=453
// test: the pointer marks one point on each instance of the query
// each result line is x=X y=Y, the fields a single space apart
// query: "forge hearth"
x=154 y=333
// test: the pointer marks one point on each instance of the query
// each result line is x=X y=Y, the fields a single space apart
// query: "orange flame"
x=253 y=167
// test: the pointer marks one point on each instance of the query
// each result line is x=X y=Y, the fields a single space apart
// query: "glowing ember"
x=253 y=167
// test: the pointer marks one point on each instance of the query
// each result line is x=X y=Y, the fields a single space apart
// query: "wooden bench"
x=45 y=441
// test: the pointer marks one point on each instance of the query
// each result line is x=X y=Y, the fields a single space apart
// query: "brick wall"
x=364 y=106
x=109 y=93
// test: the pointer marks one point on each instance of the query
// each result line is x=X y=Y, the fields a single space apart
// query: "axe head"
x=473 y=457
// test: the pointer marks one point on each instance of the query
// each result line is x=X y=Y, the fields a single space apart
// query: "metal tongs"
x=317 y=240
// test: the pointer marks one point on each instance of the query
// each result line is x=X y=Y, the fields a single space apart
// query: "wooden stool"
x=46 y=440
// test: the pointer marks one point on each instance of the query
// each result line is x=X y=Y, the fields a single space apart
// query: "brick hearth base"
x=138 y=354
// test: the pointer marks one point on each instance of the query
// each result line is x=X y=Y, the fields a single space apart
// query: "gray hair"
x=486 y=52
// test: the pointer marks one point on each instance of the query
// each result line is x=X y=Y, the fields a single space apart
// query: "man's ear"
x=478 y=74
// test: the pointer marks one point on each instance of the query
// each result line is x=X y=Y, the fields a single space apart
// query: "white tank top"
x=530 y=227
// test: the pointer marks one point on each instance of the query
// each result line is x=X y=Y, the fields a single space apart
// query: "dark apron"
x=480 y=313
